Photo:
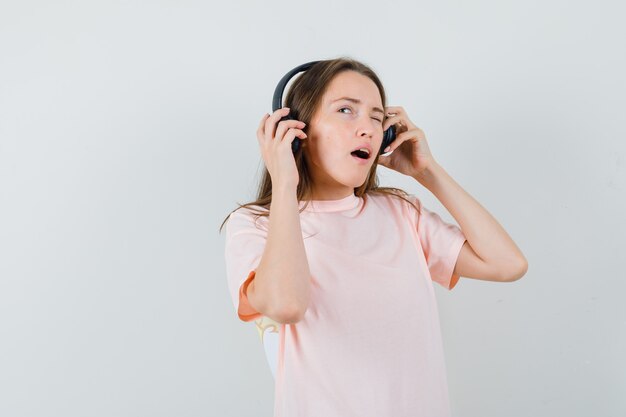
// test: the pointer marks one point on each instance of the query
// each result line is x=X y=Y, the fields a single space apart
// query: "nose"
x=365 y=127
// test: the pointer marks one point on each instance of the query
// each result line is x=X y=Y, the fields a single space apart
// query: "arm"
x=281 y=286
x=489 y=253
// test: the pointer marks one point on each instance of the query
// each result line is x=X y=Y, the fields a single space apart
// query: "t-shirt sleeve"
x=441 y=242
x=243 y=249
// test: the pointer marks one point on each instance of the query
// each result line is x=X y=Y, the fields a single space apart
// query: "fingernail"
x=387 y=149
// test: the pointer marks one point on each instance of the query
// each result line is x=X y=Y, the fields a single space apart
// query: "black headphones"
x=277 y=102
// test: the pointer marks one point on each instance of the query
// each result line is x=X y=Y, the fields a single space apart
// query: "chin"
x=354 y=182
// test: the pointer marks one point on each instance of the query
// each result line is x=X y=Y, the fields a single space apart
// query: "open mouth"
x=361 y=153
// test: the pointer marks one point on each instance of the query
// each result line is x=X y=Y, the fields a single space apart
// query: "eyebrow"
x=357 y=101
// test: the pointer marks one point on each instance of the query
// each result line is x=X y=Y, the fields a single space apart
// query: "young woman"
x=344 y=268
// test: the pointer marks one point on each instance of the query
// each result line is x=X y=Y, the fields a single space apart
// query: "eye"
x=340 y=110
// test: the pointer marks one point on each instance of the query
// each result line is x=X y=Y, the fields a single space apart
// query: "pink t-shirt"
x=370 y=341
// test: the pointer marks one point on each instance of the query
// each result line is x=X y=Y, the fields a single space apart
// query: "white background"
x=127 y=134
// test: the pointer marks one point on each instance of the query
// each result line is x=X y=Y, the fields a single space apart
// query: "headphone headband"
x=389 y=135
x=277 y=101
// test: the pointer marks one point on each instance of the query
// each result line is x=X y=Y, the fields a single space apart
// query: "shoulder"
x=395 y=199
x=248 y=217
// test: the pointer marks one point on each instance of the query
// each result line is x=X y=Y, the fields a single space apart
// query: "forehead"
x=353 y=84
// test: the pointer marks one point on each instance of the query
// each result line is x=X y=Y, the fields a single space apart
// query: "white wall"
x=127 y=134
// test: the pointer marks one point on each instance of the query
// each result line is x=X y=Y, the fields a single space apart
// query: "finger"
x=402 y=137
x=394 y=110
x=260 y=132
x=402 y=122
x=291 y=135
x=391 y=121
x=270 y=123
x=411 y=132
x=286 y=124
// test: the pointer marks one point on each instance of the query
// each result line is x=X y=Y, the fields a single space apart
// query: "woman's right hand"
x=275 y=144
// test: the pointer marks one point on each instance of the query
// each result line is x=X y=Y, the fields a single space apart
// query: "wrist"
x=282 y=191
x=428 y=175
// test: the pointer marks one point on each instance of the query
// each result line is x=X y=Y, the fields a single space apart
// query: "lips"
x=360 y=151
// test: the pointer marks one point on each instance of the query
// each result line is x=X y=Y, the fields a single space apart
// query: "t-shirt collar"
x=346 y=203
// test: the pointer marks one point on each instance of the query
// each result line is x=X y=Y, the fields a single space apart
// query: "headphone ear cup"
x=295 y=145
x=388 y=136
x=277 y=99
x=296 y=142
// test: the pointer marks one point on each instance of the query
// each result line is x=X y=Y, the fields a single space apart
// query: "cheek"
x=326 y=147
x=324 y=138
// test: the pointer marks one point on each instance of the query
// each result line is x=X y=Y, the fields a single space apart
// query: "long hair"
x=303 y=98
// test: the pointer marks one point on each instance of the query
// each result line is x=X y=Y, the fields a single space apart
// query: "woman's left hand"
x=412 y=155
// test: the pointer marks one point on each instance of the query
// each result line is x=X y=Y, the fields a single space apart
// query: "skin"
x=336 y=128
x=489 y=252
